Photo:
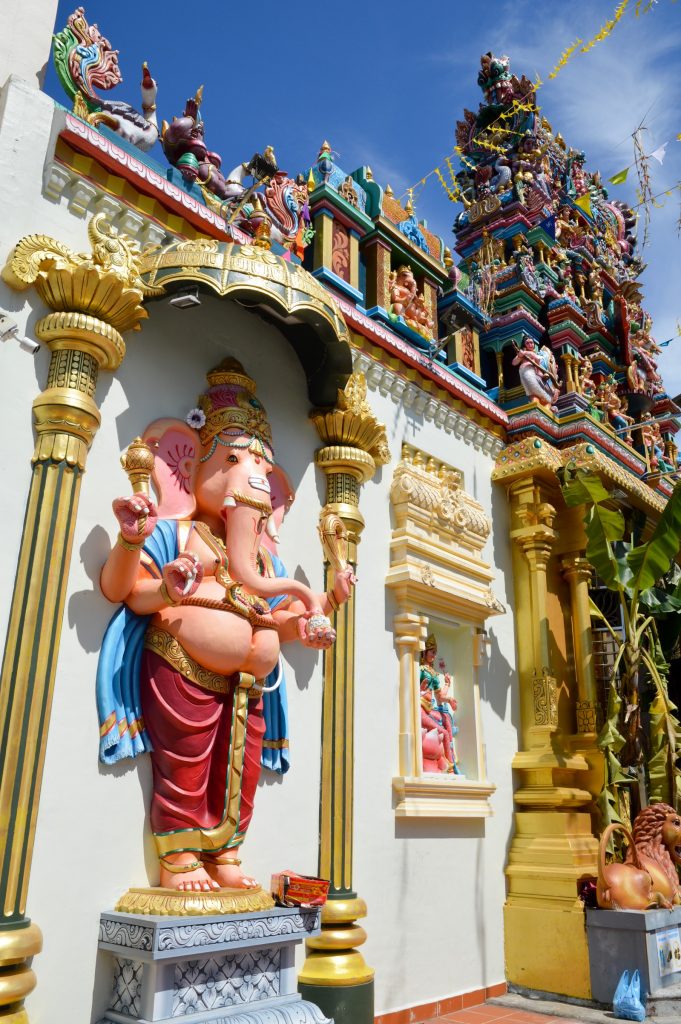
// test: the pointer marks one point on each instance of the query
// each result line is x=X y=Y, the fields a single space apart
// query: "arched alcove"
x=275 y=289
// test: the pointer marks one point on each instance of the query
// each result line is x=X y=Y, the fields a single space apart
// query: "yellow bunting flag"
x=620 y=177
x=607 y=28
x=565 y=57
x=584 y=203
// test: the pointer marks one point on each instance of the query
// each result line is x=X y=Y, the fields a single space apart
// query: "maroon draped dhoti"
x=197 y=735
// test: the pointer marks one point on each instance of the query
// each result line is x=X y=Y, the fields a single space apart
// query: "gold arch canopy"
x=279 y=291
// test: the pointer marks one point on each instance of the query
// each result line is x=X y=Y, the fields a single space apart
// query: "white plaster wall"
x=434 y=889
x=26 y=39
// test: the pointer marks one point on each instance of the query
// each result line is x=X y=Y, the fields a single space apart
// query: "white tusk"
x=271 y=530
x=229 y=502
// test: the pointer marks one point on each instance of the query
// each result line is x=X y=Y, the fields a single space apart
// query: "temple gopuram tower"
x=549 y=265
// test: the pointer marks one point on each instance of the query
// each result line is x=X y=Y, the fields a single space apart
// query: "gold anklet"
x=178 y=869
x=220 y=861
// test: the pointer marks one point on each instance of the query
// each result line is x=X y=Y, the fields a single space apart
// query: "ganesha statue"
x=190 y=667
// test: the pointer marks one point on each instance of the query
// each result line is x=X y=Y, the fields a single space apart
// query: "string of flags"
x=580 y=46
x=453 y=191
x=498 y=127
x=658 y=154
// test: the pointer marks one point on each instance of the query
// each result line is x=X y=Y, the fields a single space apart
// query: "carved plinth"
x=209 y=970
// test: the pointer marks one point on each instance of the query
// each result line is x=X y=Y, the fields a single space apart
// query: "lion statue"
x=649 y=875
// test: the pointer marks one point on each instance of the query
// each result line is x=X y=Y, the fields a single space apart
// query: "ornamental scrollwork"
x=213 y=933
x=545 y=699
x=437 y=490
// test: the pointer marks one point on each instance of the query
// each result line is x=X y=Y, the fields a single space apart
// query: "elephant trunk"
x=244 y=528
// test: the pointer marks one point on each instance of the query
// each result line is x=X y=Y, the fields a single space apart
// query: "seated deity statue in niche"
x=190 y=667
x=438 y=727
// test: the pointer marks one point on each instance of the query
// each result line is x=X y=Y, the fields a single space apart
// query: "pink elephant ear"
x=177 y=449
x=282 y=496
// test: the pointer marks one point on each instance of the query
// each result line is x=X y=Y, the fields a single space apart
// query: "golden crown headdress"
x=230 y=406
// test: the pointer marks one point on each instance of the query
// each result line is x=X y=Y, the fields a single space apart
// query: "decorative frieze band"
x=168 y=936
x=389 y=383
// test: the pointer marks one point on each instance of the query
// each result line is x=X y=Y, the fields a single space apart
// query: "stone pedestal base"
x=645 y=940
x=236 y=969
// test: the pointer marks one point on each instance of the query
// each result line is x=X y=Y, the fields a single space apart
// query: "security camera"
x=9 y=329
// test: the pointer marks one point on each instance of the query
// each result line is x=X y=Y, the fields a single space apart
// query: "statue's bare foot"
x=226 y=871
x=185 y=873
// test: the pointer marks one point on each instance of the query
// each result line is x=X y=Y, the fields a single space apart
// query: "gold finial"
x=409 y=205
x=263 y=226
x=369 y=174
x=138 y=463
x=388 y=191
x=311 y=183
x=447 y=258
x=269 y=155
x=198 y=97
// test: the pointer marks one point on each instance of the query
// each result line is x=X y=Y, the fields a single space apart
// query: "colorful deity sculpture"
x=408 y=302
x=538 y=371
x=206 y=606
x=270 y=193
x=654 y=445
x=612 y=407
x=85 y=61
x=585 y=382
x=438 y=727
x=403 y=290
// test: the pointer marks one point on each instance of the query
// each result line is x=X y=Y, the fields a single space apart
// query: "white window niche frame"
x=440 y=581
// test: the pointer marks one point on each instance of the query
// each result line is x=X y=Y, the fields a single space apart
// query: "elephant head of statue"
x=218 y=467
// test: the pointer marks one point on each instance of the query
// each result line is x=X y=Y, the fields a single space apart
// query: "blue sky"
x=386 y=83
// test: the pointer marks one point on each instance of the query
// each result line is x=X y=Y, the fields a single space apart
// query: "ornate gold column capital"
x=355 y=441
x=94 y=298
x=96 y=295
x=576 y=566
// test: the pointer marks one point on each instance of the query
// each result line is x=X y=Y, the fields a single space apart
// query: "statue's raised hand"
x=182 y=576
x=343 y=584
x=137 y=516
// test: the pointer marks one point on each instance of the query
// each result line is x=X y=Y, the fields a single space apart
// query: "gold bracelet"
x=165 y=594
x=128 y=545
x=333 y=601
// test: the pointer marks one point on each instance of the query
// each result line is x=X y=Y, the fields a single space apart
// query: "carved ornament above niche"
x=429 y=492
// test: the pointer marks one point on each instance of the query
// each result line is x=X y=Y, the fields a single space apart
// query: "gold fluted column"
x=93 y=299
x=335 y=975
x=577 y=572
x=552 y=846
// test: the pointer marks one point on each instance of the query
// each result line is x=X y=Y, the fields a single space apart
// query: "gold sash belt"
x=171 y=650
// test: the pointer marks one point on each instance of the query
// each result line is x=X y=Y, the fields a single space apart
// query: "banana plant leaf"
x=584 y=488
x=650 y=561
x=604 y=527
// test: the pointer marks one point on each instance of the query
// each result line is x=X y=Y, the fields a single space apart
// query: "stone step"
x=664 y=1006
